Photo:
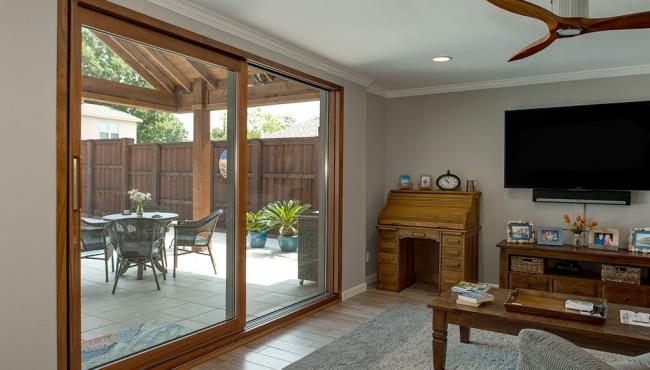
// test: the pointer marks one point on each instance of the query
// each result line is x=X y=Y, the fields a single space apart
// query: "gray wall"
x=27 y=220
x=463 y=132
x=375 y=197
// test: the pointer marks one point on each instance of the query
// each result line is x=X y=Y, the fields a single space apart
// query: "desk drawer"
x=452 y=264
x=390 y=247
x=453 y=240
x=625 y=294
x=387 y=234
x=575 y=287
x=388 y=258
x=448 y=252
x=448 y=279
x=388 y=273
x=528 y=282
x=418 y=233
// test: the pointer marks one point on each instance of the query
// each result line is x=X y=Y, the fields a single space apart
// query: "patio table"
x=160 y=216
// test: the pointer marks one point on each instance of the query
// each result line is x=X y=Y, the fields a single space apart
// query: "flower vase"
x=577 y=240
x=139 y=211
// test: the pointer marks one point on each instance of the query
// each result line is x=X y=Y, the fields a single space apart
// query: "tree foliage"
x=99 y=61
x=259 y=123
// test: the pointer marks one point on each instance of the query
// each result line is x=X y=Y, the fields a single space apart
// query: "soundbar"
x=622 y=198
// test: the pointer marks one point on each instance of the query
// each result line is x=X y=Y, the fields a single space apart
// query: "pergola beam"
x=204 y=72
x=172 y=71
x=132 y=61
x=135 y=96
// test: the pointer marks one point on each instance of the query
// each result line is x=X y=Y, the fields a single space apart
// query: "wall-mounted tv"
x=594 y=147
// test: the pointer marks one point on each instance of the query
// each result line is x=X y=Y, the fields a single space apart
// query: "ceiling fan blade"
x=527 y=9
x=623 y=22
x=535 y=47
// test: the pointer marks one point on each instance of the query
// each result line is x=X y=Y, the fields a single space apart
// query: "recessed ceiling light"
x=442 y=59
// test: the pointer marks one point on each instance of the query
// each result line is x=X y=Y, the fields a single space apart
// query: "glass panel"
x=162 y=106
x=287 y=142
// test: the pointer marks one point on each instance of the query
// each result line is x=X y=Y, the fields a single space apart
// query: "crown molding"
x=228 y=25
x=378 y=90
x=519 y=81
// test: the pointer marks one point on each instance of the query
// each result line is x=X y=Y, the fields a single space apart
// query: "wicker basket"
x=621 y=274
x=528 y=265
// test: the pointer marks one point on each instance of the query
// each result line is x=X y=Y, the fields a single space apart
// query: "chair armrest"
x=539 y=350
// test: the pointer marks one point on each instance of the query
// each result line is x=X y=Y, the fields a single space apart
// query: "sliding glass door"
x=204 y=193
x=158 y=217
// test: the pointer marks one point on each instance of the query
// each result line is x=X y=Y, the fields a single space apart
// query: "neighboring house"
x=302 y=129
x=102 y=122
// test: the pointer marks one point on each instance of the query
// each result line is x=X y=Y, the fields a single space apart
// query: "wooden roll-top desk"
x=428 y=236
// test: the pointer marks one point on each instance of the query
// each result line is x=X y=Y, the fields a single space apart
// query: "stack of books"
x=472 y=294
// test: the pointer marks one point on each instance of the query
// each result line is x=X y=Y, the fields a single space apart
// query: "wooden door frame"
x=205 y=343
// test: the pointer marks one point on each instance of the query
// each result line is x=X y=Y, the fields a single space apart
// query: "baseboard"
x=349 y=293
x=371 y=278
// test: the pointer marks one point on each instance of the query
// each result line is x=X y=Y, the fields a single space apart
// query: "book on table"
x=475 y=297
x=467 y=303
x=465 y=286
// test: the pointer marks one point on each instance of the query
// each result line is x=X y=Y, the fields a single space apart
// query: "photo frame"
x=425 y=182
x=606 y=239
x=520 y=232
x=640 y=240
x=550 y=235
x=405 y=182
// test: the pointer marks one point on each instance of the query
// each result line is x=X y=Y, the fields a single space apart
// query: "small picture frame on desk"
x=605 y=239
x=520 y=232
x=405 y=182
x=547 y=235
x=425 y=182
x=640 y=240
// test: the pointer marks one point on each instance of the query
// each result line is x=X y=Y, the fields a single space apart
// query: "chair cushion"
x=92 y=253
x=189 y=240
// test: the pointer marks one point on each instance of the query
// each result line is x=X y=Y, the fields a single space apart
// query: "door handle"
x=76 y=183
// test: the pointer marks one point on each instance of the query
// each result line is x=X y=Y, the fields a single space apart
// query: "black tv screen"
x=595 y=147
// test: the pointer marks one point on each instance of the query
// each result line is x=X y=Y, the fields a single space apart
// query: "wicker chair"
x=137 y=241
x=195 y=234
x=94 y=245
x=307 y=248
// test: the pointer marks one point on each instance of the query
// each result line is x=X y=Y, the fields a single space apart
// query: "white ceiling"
x=392 y=41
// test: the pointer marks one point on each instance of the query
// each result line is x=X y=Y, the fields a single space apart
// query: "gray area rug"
x=400 y=338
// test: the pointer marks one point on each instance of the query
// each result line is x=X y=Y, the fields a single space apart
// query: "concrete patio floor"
x=196 y=298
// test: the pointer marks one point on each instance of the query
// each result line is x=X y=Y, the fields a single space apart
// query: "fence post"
x=125 y=172
x=155 y=173
x=255 y=191
x=90 y=164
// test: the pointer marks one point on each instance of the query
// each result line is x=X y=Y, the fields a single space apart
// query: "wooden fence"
x=278 y=169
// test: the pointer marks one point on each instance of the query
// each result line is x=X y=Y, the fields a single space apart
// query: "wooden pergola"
x=181 y=84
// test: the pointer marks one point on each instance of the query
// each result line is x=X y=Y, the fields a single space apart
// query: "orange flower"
x=593 y=224
x=567 y=219
x=580 y=219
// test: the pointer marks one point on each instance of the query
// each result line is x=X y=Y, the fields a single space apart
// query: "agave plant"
x=282 y=215
x=257 y=222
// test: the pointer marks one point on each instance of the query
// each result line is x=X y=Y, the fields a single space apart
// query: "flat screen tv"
x=592 y=147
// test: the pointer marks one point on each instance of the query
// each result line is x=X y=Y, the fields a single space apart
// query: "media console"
x=583 y=279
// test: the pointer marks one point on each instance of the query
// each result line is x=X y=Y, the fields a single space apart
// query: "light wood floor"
x=292 y=343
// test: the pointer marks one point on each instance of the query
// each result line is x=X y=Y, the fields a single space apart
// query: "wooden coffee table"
x=610 y=337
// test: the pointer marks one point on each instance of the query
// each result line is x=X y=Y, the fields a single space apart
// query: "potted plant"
x=140 y=199
x=257 y=226
x=282 y=215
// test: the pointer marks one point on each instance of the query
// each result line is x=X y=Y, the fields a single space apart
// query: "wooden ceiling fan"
x=567 y=24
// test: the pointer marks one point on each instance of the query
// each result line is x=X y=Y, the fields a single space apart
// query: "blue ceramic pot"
x=288 y=243
x=257 y=239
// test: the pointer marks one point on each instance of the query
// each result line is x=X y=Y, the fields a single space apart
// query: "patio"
x=195 y=298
